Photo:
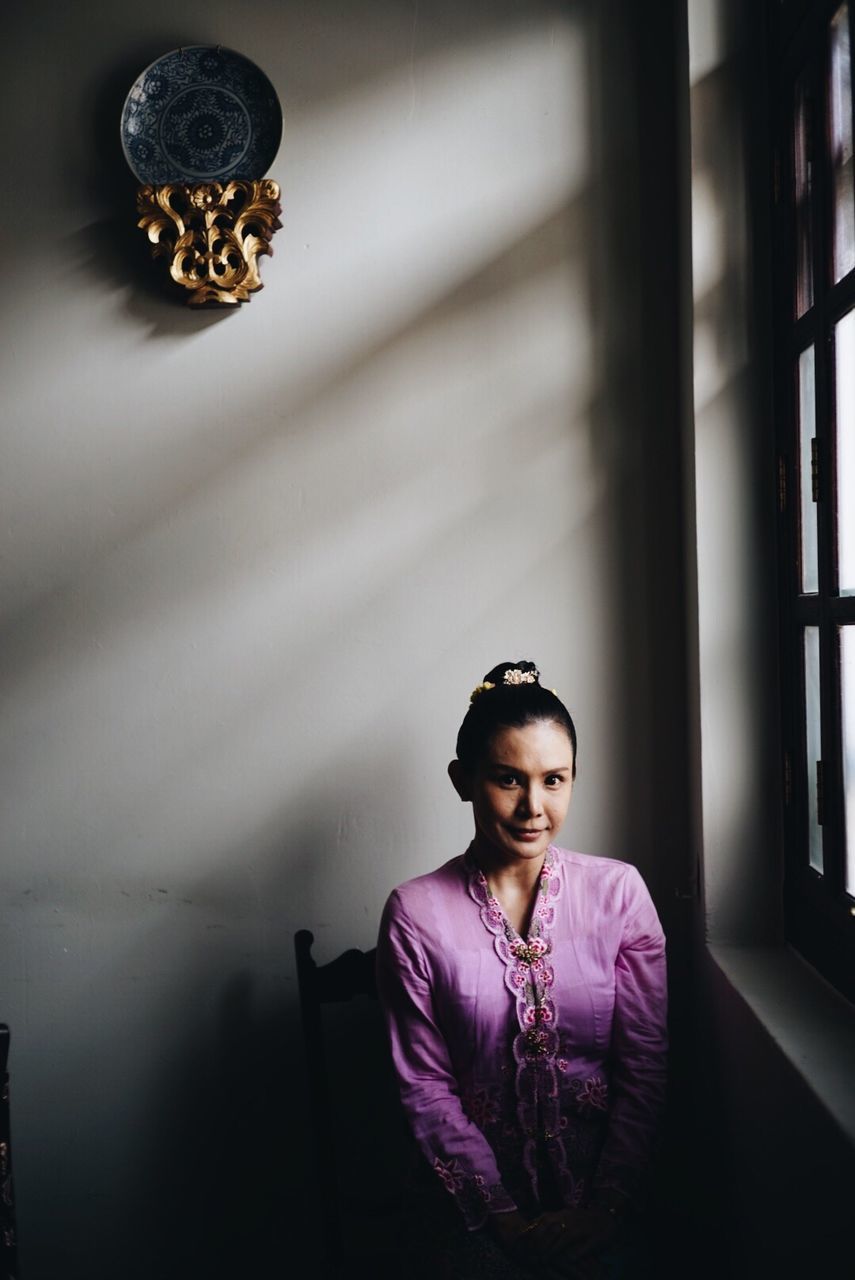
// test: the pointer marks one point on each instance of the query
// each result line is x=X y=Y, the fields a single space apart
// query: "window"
x=815 y=410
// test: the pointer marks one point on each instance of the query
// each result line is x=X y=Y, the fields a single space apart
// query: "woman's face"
x=520 y=791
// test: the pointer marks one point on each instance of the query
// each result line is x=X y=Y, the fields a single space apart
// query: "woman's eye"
x=508 y=780
x=554 y=780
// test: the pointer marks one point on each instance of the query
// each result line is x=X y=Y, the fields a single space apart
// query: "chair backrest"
x=350 y=974
x=341 y=981
x=8 y=1242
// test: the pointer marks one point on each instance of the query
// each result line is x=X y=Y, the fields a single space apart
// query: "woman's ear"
x=460 y=780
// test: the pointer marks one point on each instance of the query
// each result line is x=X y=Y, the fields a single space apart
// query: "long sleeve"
x=639 y=1042
x=453 y=1145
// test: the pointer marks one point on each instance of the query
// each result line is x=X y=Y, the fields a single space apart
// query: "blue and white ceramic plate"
x=201 y=114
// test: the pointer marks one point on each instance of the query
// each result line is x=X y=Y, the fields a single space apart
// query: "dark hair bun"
x=512 y=673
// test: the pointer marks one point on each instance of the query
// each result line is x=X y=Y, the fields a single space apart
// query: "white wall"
x=734 y=477
x=253 y=564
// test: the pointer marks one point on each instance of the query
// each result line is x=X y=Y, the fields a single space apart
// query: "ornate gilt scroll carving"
x=212 y=234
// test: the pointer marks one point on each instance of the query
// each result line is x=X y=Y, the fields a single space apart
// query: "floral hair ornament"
x=479 y=689
x=514 y=676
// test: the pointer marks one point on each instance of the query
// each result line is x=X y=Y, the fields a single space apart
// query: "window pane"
x=807 y=430
x=844 y=345
x=840 y=140
x=847 y=672
x=803 y=180
x=813 y=744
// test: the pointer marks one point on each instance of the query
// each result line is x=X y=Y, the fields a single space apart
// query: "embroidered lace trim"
x=529 y=977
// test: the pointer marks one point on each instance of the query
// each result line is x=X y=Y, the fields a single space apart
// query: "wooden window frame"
x=819 y=915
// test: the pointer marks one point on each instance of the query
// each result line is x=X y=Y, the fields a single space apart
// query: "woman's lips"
x=522 y=833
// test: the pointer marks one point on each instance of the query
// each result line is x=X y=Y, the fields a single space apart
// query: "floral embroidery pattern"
x=472 y=1193
x=594 y=1093
x=536 y=1014
x=529 y=977
x=450 y=1174
x=481 y=1108
x=530 y=951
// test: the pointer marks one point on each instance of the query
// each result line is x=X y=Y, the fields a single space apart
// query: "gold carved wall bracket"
x=213 y=235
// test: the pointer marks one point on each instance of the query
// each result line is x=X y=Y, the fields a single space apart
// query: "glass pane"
x=807 y=430
x=802 y=194
x=847 y=672
x=813 y=744
x=840 y=141
x=844 y=346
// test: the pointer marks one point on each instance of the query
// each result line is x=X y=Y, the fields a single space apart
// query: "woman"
x=524 y=988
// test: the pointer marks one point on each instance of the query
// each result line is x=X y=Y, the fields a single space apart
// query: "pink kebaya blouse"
x=528 y=1066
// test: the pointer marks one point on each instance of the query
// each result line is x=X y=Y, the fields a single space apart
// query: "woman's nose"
x=531 y=801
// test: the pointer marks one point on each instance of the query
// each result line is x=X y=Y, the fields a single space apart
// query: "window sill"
x=811 y=1024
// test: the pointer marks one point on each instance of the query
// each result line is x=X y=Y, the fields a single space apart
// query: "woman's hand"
x=564 y=1238
x=507 y=1228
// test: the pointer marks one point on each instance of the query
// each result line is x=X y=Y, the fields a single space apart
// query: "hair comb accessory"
x=479 y=689
x=514 y=676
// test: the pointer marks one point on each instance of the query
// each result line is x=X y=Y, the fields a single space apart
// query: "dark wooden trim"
x=818 y=911
x=8 y=1238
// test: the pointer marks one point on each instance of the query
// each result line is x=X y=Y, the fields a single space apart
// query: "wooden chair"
x=8 y=1243
x=371 y=1202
